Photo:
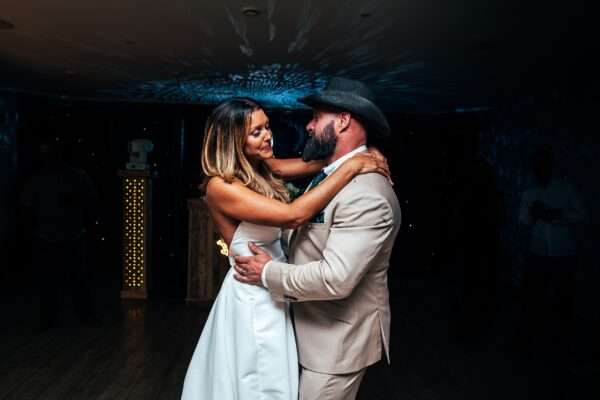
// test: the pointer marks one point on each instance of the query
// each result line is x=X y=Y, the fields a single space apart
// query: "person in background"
x=58 y=202
x=551 y=210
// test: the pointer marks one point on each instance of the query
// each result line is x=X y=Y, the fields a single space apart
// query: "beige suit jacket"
x=337 y=278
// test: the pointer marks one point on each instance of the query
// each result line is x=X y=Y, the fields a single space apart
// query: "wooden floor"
x=140 y=350
x=141 y=354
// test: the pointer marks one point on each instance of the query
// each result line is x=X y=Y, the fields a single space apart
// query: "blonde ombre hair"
x=223 y=149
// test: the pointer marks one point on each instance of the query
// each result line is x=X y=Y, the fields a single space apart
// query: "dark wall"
x=434 y=159
x=8 y=177
x=8 y=167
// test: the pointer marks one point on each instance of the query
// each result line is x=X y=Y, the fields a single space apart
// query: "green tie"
x=316 y=180
x=314 y=183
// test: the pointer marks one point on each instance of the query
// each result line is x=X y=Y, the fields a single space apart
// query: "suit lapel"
x=292 y=238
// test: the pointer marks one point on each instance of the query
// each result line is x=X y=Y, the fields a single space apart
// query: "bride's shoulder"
x=218 y=186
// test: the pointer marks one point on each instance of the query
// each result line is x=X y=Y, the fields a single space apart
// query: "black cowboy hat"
x=356 y=98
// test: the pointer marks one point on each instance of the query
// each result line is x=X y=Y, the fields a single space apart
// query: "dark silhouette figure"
x=550 y=210
x=58 y=202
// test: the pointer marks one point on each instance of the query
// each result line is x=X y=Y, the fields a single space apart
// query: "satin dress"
x=247 y=349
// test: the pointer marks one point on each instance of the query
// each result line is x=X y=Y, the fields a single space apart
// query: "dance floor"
x=140 y=350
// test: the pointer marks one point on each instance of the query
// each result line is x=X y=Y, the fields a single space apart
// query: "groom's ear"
x=343 y=121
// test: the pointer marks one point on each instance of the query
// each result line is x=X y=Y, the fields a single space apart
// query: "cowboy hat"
x=352 y=96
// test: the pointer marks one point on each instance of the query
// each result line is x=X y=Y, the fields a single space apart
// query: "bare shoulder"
x=218 y=189
x=214 y=184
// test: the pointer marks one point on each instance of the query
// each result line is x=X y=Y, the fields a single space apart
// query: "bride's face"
x=258 y=139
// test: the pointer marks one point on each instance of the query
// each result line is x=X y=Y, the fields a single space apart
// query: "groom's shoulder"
x=371 y=182
x=368 y=185
x=371 y=193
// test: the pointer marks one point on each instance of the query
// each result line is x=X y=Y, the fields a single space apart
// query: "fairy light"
x=135 y=189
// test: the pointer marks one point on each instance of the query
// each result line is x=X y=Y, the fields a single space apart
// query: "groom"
x=337 y=271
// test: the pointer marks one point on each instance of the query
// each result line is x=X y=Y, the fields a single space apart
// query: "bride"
x=247 y=349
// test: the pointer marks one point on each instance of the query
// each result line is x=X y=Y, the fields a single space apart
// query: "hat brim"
x=363 y=109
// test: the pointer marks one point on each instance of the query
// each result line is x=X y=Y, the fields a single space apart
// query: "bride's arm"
x=240 y=203
x=292 y=168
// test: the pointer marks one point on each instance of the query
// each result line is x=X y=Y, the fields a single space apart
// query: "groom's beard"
x=320 y=148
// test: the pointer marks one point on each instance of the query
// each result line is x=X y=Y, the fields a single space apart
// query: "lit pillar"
x=136 y=230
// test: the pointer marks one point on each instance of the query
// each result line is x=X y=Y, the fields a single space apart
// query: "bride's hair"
x=223 y=149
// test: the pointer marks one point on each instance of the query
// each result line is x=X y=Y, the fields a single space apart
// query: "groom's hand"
x=249 y=269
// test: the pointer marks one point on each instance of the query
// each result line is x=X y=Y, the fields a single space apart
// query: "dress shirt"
x=553 y=238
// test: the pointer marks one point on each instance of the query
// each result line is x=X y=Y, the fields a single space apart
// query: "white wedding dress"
x=247 y=349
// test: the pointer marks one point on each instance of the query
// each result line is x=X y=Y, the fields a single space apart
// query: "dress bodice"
x=266 y=237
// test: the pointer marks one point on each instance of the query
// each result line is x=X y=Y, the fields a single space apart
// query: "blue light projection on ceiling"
x=275 y=86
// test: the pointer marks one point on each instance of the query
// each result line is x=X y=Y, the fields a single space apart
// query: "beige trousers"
x=317 y=386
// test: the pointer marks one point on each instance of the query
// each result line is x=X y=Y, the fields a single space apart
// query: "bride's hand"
x=370 y=161
x=375 y=151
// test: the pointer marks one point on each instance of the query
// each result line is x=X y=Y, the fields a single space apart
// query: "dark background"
x=470 y=89
x=458 y=175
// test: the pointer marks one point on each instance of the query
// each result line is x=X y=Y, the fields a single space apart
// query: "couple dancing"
x=338 y=235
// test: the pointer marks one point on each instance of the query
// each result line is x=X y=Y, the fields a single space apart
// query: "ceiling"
x=418 y=55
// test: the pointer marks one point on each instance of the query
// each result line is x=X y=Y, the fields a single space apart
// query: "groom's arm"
x=361 y=227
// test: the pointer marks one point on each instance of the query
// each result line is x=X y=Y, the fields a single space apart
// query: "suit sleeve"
x=360 y=228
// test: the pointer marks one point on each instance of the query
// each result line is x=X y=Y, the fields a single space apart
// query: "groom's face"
x=323 y=138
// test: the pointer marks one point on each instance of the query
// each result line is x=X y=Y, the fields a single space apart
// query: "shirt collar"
x=328 y=170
